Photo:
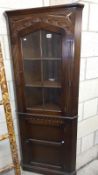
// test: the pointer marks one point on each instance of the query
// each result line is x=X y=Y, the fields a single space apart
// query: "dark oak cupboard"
x=45 y=47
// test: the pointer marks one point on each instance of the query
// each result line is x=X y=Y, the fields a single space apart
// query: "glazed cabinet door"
x=42 y=69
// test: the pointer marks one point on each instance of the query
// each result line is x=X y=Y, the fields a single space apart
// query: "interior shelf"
x=31 y=59
x=48 y=107
x=47 y=84
x=51 y=84
x=34 y=84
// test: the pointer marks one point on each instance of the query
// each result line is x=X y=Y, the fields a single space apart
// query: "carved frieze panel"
x=46 y=121
x=62 y=19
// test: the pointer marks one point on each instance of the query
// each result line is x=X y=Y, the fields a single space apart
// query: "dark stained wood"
x=47 y=109
x=43 y=9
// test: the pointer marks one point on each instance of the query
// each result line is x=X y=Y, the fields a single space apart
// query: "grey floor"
x=90 y=169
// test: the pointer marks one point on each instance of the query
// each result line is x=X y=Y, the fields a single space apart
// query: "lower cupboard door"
x=43 y=155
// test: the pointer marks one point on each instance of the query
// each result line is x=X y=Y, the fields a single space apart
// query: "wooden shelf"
x=38 y=59
x=34 y=84
x=46 y=107
x=46 y=84
x=32 y=59
x=51 y=84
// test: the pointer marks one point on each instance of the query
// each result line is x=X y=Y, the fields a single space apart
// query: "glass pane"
x=52 y=71
x=51 y=61
x=33 y=97
x=31 y=45
x=32 y=71
x=42 y=53
x=52 y=98
x=51 y=43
